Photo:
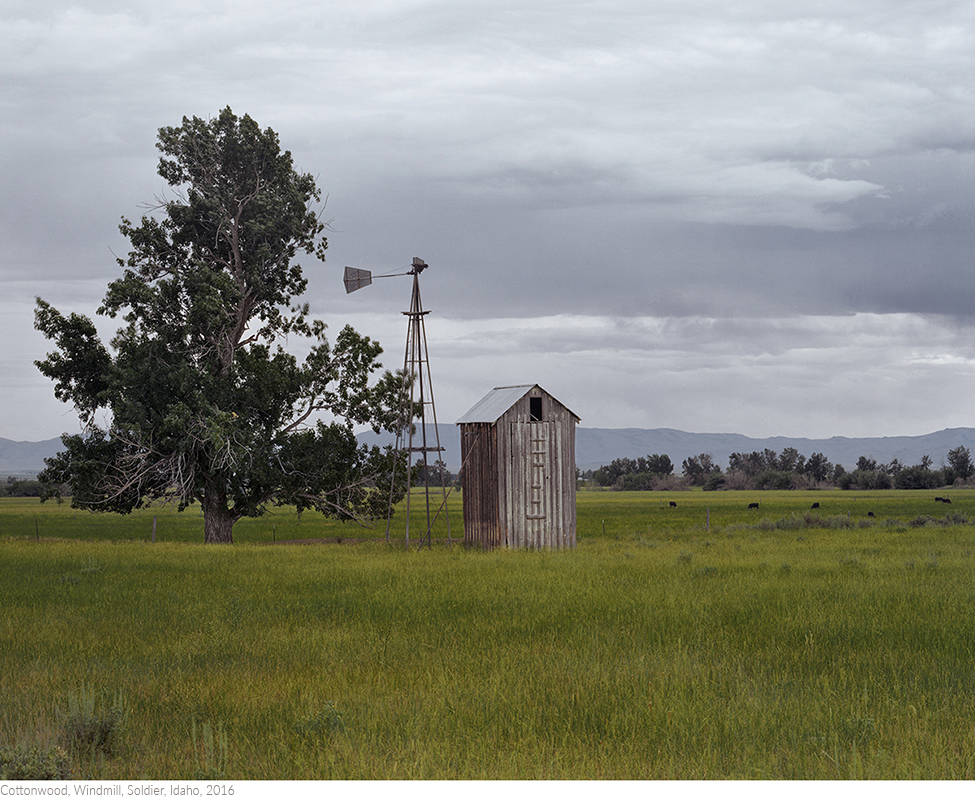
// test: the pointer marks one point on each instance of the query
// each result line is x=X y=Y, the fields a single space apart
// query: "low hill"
x=26 y=458
x=598 y=446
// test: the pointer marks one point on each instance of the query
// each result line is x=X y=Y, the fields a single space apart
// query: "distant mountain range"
x=598 y=446
x=26 y=458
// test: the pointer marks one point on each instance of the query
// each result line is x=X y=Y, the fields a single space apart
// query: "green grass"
x=29 y=518
x=764 y=647
x=600 y=513
x=639 y=512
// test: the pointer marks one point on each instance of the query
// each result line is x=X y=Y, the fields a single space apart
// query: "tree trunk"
x=218 y=520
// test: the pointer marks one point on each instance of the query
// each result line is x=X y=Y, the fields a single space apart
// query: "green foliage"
x=32 y=763
x=865 y=464
x=865 y=479
x=205 y=404
x=918 y=477
x=819 y=468
x=434 y=475
x=630 y=474
x=960 y=463
x=753 y=463
x=715 y=482
x=700 y=468
x=768 y=470
x=81 y=366
x=774 y=479
x=15 y=487
x=90 y=726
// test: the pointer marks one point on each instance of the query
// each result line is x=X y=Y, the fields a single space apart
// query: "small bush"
x=805 y=481
x=922 y=520
x=669 y=483
x=865 y=479
x=774 y=479
x=25 y=763
x=88 y=730
x=328 y=720
x=706 y=572
x=21 y=488
x=737 y=481
x=807 y=520
x=715 y=482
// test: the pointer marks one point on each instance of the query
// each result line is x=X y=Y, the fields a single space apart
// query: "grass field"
x=600 y=514
x=777 y=643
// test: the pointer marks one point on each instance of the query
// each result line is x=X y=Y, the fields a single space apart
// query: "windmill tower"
x=412 y=438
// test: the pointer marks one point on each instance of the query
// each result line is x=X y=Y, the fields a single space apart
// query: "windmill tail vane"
x=356 y=279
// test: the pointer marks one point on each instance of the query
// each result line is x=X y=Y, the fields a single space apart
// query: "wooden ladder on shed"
x=539 y=458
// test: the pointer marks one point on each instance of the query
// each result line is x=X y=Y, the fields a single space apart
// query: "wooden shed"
x=518 y=469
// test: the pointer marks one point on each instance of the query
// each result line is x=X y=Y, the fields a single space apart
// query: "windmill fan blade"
x=356 y=279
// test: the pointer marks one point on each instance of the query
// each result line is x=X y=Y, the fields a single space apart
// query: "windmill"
x=416 y=368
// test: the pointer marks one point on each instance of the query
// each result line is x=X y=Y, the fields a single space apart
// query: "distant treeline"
x=786 y=470
x=18 y=487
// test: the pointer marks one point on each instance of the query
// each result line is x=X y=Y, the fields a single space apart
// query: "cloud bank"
x=762 y=207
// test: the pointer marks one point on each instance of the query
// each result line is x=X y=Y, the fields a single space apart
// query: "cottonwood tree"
x=700 y=467
x=198 y=400
x=960 y=460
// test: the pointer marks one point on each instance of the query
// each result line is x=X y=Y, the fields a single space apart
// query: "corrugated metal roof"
x=492 y=406
x=495 y=403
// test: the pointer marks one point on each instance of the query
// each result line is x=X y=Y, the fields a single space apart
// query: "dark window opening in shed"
x=535 y=408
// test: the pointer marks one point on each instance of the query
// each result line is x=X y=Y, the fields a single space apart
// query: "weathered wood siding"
x=527 y=500
x=479 y=455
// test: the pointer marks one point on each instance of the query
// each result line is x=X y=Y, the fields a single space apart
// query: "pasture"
x=782 y=642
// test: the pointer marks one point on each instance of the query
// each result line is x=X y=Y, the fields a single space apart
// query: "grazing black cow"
x=939 y=499
x=753 y=505
x=673 y=504
x=815 y=505
x=946 y=500
x=869 y=513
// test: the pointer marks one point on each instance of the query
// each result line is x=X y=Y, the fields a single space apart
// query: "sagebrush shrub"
x=32 y=763
x=88 y=730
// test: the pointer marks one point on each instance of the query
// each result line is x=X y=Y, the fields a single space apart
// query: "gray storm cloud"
x=692 y=174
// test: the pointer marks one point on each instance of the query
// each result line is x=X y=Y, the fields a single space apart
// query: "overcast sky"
x=750 y=217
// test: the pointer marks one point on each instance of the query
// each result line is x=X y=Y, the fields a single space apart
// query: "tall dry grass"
x=746 y=651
